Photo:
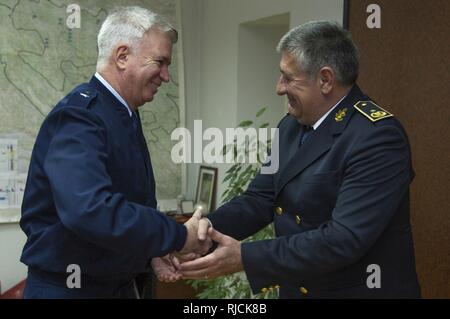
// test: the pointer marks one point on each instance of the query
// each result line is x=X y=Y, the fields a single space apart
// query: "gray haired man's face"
x=147 y=67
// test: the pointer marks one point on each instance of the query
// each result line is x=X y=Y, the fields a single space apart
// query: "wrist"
x=182 y=238
x=209 y=222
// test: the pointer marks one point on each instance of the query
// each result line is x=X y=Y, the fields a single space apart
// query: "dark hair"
x=323 y=43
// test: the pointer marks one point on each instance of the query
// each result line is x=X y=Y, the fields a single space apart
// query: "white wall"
x=257 y=67
x=12 y=271
x=211 y=30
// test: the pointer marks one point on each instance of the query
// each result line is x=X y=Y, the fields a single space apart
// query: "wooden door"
x=405 y=67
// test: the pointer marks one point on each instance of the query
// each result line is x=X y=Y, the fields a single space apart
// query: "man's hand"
x=203 y=226
x=225 y=259
x=164 y=269
x=193 y=245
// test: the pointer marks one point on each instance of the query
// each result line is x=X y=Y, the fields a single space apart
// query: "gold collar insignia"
x=340 y=114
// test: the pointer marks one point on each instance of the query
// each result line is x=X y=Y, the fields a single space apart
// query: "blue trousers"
x=46 y=285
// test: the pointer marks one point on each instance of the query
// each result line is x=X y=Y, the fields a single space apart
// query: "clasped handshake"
x=193 y=261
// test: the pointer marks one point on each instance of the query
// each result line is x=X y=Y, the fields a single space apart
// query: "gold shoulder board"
x=372 y=111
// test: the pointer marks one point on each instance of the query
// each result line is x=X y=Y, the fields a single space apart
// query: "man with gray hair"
x=89 y=208
x=340 y=200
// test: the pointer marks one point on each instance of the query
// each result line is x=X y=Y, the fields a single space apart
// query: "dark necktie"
x=307 y=130
x=134 y=119
x=143 y=150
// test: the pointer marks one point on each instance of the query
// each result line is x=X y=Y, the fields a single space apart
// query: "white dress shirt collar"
x=319 y=121
x=114 y=92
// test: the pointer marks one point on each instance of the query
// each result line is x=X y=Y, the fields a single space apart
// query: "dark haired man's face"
x=303 y=93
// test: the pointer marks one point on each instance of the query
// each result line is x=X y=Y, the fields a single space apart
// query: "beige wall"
x=12 y=270
x=213 y=60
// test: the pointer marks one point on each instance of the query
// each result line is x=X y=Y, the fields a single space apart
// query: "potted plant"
x=237 y=178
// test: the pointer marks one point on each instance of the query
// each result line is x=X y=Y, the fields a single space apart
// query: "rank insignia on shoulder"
x=82 y=98
x=340 y=114
x=372 y=111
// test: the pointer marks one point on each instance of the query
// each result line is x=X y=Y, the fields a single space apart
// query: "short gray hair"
x=128 y=25
x=323 y=43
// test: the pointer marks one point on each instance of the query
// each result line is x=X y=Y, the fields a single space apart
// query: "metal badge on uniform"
x=372 y=111
x=340 y=114
x=82 y=97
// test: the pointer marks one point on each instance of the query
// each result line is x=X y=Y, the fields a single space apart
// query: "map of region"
x=43 y=57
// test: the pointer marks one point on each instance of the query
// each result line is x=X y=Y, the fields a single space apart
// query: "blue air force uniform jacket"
x=340 y=207
x=90 y=194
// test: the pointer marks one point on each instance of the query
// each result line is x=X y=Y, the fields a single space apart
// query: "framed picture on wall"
x=206 y=188
x=187 y=207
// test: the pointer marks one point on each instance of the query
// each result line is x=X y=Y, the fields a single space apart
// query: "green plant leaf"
x=245 y=123
x=227 y=178
x=227 y=148
x=260 y=112
x=237 y=177
x=231 y=169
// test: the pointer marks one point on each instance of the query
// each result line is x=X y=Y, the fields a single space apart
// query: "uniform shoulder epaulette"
x=372 y=111
x=82 y=97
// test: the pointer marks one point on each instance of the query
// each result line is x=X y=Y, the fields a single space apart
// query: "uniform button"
x=279 y=210
x=303 y=290
x=298 y=220
x=264 y=290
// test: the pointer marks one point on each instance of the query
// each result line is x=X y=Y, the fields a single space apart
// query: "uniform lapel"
x=136 y=135
x=320 y=141
x=143 y=148
x=148 y=163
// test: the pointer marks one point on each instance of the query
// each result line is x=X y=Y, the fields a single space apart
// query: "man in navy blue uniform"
x=340 y=199
x=89 y=208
